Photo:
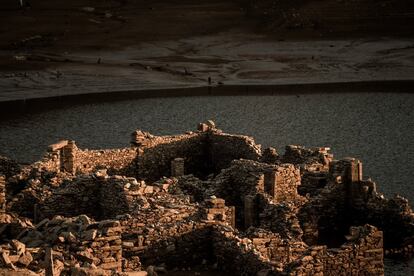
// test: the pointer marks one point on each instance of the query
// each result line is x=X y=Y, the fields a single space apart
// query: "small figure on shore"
x=209 y=80
x=24 y=4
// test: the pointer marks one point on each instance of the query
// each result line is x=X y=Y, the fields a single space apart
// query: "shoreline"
x=34 y=104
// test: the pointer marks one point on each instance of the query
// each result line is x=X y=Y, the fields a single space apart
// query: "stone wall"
x=182 y=245
x=282 y=183
x=203 y=152
x=312 y=182
x=8 y=167
x=150 y=157
x=115 y=161
x=73 y=198
x=323 y=217
x=224 y=148
x=275 y=249
x=244 y=179
x=238 y=256
x=361 y=255
x=394 y=217
x=316 y=157
x=98 y=196
x=65 y=156
x=155 y=155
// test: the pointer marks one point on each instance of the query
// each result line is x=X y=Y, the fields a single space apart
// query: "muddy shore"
x=86 y=47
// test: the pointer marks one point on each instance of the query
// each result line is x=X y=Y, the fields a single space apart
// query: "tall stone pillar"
x=353 y=182
x=2 y=194
x=353 y=170
x=177 y=167
x=260 y=186
x=69 y=155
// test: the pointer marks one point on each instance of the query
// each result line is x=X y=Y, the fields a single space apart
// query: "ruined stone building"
x=204 y=200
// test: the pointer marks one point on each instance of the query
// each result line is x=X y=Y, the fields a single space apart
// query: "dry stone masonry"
x=203 y=201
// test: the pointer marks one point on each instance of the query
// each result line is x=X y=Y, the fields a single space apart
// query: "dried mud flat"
x=86 y=47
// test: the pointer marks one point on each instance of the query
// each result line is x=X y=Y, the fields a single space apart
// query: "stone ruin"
x=200 y=201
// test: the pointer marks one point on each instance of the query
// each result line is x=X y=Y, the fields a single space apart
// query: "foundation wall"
x=97 y=197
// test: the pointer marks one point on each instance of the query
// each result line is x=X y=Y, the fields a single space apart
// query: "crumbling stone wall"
x=65 y=156
x=245 y=179
x=204 y=152
x=280 y=218
x=8 y=167
x=238 y=255
x=323 y=217
x=361 y=255
x=312 y=182
x=115 y=161
x=275 y=249
x=307 y=157
x=349 y=200
x=238 y=185
x=73 y=198
x=155 y=155
x=224 y=148
x=99 y=196
x=183 y=245
x=282 y=182
x=394 y=217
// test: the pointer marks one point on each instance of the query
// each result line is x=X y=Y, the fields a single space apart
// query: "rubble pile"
x=204 y=200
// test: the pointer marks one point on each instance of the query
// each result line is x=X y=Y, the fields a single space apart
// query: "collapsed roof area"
x=201 y=201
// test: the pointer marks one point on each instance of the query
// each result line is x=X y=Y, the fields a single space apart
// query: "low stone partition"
x=182 y=246
x=275 y=249
x=65 y=156
x=307 y=157
x=361 y=255
x=99 y=196
x=238 y=256
x=80 y=196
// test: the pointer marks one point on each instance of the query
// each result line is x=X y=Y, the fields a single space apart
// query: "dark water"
x=378 y=128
